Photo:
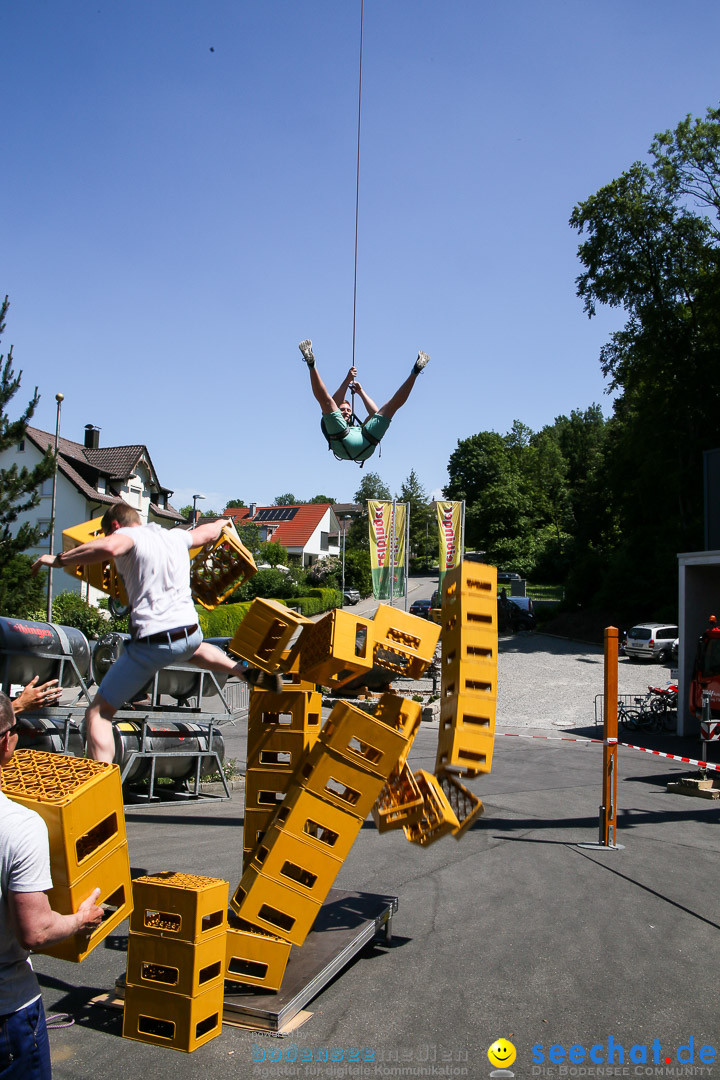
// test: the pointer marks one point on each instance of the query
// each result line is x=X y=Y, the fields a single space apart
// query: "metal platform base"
x=347 y=922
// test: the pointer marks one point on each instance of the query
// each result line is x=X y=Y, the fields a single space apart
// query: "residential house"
x=89 y=479
x=308 y=532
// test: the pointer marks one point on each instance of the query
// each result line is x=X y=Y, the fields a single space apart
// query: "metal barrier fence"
x=237 y=695
x=632 y=700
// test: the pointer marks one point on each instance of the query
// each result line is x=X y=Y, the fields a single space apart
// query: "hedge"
x=225 y=619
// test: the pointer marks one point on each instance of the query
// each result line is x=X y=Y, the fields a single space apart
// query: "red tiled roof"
x=295 y=533
x=237 y=513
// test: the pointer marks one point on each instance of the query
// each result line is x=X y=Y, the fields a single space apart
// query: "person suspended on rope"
x=348 y=439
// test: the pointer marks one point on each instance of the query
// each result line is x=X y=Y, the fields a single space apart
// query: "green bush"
x=223 y=621
x=70 y=609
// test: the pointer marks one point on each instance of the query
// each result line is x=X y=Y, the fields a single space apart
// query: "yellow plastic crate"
x=254 y=957
x=340 y=782
x=297 y=711
x=466 y=736
x=265 y=632
x=403 y=642
x=336 y=649
x=467 y=807
x=255 y=824
x=470 y=640
x=274 y=907
x=400 y=802
x=317 y=822
x=401 y=713
x=174 y=1020
x=265 y=789
x=438 y=818
x=181 y=906
x=470 y=581
x=103 y=576
x=279 y=749
x=112 y=877
x=178 y=967
x=217 y=571
x=471 y=679
x=363 y=739
x=79 y=800
x=289 y=860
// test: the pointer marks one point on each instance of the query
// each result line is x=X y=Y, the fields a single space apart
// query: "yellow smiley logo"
x=502 y=1053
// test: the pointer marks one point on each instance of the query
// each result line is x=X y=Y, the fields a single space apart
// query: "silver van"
x=651 y=641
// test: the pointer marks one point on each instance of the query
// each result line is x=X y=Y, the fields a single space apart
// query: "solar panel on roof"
x=276 y=513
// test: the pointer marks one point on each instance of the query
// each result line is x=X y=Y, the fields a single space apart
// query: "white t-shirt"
x=156 y=573
x=24 y=867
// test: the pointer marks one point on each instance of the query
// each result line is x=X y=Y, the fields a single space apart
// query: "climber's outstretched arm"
x=367 y=401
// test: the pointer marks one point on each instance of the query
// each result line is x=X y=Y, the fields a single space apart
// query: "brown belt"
x=166 y=636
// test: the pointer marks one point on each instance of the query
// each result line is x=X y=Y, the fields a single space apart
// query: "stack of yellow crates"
x=469 y=670
x=282 y=728
x=300 y=855
x=176 y=960
x=82 y=806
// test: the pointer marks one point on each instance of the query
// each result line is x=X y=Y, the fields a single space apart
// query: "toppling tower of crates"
x=175 y=983
x=81 y=803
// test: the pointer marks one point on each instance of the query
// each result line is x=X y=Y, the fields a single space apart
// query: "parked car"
x=352 y=596
x=506 y=576
x=420 y=608
x=516 y=614
x=650 y=641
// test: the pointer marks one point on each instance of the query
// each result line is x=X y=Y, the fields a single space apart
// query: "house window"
x=44 y=541
x=46 y=486
x=102 y=484
x=21 y=446
x=135 y=495
x=324 y=541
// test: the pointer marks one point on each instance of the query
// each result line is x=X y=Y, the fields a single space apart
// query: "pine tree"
x=19 y=492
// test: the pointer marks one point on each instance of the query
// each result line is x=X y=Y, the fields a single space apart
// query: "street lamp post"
x=195 y=500
x=59 y=399
x=344 y=521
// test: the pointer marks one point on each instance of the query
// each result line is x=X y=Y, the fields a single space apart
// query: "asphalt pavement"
x=514 y=932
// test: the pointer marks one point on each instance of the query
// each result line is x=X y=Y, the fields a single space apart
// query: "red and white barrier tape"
x=615 y=742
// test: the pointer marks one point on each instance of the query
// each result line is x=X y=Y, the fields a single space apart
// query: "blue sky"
x=178 y=212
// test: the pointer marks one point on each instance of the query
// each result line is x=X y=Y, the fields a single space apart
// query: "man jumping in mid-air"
x=348 y=440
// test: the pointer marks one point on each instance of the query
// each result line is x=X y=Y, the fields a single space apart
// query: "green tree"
x=323 y=499
x=650 y=249
x=19 y=491
x=371 y=487
x=413 y=493
x=250 y=536
x=235 y=504
x=286 y=500
x=273 y=553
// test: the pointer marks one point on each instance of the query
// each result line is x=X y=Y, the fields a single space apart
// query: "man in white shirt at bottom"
x=27 y=922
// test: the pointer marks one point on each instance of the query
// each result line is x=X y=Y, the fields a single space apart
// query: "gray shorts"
x=138 y=662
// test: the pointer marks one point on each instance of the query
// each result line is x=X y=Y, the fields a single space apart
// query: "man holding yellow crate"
x=27 y=922
x=154 y=564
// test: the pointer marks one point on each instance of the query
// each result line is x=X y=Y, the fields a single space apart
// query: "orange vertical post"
x=608 y=809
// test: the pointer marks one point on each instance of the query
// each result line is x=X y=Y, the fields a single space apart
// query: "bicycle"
x=639 y=716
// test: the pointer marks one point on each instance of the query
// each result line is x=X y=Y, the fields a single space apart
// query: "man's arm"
x=37 y=925
x=98 y=550
x=367 y=401
x=207 y=532
x=341 y=392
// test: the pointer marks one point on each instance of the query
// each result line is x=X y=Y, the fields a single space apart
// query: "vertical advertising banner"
x=449 y=516
x=387 y=548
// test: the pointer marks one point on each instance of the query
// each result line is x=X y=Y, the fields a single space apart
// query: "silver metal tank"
x=43 y=649
x=171 y=735
x=41 y=733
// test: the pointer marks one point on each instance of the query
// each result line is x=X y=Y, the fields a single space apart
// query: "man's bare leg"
x=210 y=658
x=328 y=402
x=400 y=396
x=99 y=731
